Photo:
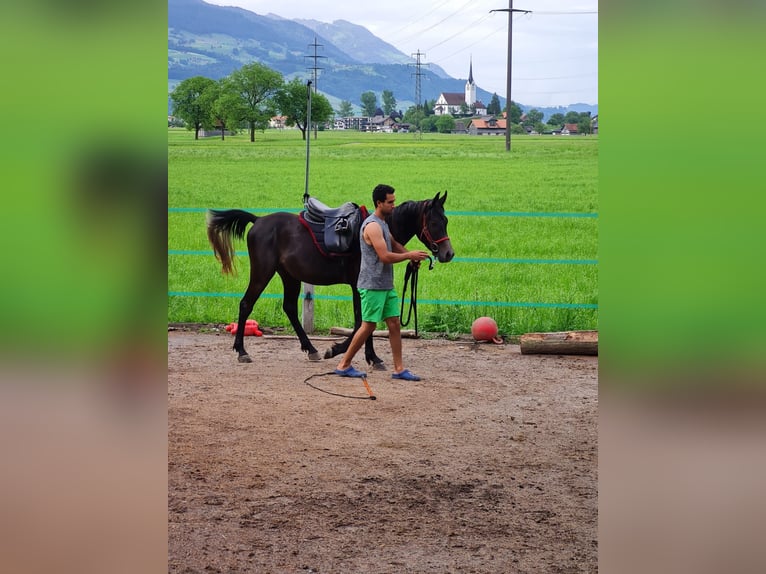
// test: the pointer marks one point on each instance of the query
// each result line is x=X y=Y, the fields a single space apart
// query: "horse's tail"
x=222 y=226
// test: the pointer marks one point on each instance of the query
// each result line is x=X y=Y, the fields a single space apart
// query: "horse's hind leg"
x=292 y=289
x=254 y=290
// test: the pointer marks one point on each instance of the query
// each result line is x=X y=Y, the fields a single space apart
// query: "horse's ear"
x=444 y=197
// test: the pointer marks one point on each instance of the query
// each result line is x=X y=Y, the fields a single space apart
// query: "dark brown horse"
x=279 y=243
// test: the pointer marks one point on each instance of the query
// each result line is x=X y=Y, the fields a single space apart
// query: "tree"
x=556 y=120
x=572 y=117
x=369 y=103
x=464 y=109
x=255 y=85
x=346 y=109
x=413 y=116
x=189 y=105
x=584 y=126
x=224 y=105
x=445 y=124
x=515 y=113
x=534 y=117
x=291 y=100
x=428 y=124
x=493 y=109
x=389 y=102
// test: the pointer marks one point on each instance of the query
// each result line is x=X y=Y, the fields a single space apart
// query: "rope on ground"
x=369 y=396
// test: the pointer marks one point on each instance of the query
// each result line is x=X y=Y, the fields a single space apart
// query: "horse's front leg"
x=370 y=356
x=290 y=307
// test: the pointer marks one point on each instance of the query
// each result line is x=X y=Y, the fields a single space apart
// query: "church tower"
x=470 y=87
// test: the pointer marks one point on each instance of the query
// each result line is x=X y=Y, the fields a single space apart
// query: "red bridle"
x=425 y=237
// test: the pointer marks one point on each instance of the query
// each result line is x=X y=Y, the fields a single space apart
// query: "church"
x=452 y=102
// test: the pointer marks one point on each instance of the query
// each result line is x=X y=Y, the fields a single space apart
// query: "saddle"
x=334 y=229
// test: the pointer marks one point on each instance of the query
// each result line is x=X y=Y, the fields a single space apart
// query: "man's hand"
x=417 y=256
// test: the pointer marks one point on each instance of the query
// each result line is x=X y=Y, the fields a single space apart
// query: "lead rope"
x=412 y=272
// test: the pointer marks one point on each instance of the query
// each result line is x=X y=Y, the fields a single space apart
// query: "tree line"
x=251 y=95
x=247 y=98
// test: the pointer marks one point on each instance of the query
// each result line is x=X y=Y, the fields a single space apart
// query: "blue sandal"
x=405 y=375
x=350 y=372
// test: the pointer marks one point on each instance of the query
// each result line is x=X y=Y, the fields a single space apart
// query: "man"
x=376 y=284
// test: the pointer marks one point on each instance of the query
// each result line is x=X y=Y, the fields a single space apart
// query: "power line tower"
x=314 y=71
x=418 y=74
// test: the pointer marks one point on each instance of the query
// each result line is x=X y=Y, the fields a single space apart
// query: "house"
x=460 y=127
x=569 y=129
x=452 y=102
x=594 y=125
x=351 y=123
x=278 y=122
x=215 y=132
x=449 y=103
x=487 y=127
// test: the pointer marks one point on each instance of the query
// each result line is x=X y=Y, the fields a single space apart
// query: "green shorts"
x=378 y=305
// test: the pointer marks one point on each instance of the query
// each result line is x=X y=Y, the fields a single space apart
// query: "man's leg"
x=365 y=330
x=395 y=340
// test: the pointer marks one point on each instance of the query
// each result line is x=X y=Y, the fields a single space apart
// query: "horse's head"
x=434 y=230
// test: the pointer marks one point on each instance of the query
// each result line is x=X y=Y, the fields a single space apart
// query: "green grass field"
x=522 y=225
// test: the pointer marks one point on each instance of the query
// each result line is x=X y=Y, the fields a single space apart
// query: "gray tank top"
x=373 y=273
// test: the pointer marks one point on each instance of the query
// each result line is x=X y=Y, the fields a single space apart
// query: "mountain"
x=362 y=45
x=213 y=41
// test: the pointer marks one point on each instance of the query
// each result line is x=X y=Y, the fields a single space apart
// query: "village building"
x=487 y=127
x=453 y=102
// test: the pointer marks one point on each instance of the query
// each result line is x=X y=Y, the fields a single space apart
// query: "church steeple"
x=470 y=87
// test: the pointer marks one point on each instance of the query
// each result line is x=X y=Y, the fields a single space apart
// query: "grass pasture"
x=523 y=225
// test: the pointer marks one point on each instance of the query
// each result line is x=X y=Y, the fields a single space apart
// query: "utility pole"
x=417 y=75
x=510 y=11
x=314 y=69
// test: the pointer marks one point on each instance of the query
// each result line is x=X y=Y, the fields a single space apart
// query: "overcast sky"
x=555 y=47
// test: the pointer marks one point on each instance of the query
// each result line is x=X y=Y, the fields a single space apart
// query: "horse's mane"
x=408 y=210
x=404 y=222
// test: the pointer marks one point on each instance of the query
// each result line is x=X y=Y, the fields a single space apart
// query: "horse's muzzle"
x=445 y=252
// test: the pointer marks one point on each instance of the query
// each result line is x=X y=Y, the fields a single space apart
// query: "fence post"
x=308 y=308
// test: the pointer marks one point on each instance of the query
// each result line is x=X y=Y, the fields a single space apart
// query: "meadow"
x=523 y=224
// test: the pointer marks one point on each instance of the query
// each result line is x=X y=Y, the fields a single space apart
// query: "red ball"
x=484 y=329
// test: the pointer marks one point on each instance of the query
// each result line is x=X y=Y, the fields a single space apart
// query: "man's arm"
x=373 y=235
x=397 y=247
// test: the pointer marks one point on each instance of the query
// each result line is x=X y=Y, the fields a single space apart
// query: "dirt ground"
x=487 y=465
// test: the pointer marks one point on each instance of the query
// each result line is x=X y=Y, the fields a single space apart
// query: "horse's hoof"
x=379 y=367
x=244 y=359
x=328 y=354
x=314 y=356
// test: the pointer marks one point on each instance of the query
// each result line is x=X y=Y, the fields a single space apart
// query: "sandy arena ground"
x=488 y=465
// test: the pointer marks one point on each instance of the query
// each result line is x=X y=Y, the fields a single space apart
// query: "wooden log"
x=561 y=343
x=406 y=333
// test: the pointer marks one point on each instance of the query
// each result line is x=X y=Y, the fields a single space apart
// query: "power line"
x=418 y=19
x=432 y=26
x=461 y=31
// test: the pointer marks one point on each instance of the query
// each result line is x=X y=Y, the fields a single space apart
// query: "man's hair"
x=380 y=192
